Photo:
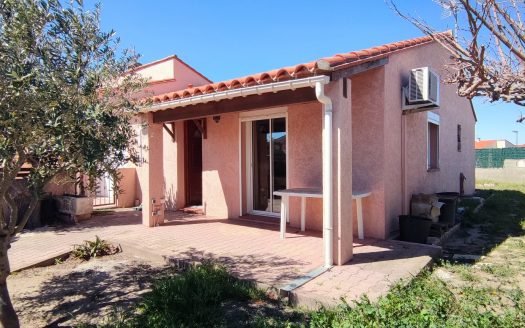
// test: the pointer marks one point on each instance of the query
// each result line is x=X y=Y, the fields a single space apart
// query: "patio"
x=250 y=250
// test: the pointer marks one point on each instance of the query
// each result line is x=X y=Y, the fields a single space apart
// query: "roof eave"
x=240 y=92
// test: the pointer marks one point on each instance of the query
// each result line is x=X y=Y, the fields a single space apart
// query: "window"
x=459 y=137
x=432 y=141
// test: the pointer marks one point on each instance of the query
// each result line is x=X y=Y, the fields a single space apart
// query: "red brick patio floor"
x=250 y=251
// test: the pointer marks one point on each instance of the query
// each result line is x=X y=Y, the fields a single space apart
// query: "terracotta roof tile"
x=300 y=70
x=481 y=144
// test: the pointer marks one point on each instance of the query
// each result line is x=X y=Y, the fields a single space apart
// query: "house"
x=484 y=144
x=339 y=124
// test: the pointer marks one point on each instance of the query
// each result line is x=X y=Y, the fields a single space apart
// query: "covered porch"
x=304 y=128
x=249 y=147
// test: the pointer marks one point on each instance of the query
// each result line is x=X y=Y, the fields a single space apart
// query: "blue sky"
x=225 y=39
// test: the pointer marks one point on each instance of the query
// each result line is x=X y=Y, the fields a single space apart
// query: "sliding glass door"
x=268 y=142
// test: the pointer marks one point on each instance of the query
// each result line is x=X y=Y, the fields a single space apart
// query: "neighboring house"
x=336 y=123
x=484 y=144
x=168 y=74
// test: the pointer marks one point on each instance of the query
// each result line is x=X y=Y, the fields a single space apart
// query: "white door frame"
x=265 y=114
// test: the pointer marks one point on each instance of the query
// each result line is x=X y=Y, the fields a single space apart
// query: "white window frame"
x=432 y=118
x=263 y=114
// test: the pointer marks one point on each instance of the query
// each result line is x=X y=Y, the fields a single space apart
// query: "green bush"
x=192 y=299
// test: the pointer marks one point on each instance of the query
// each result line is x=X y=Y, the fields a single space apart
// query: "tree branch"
x=13 y=213
x=29 y=211
x=502 y=37
x=517 y=29
x=11 y=171
x=490 y=65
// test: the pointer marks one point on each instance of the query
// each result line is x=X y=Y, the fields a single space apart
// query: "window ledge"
x=433 y=170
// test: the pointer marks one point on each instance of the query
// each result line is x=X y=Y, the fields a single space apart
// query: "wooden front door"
x=193 y=137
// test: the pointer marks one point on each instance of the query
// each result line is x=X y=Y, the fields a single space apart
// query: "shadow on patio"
x=249 y=250
x=264 y=267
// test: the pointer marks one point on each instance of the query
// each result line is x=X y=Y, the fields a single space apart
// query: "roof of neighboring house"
x=481 y=144
x=312 y=68
x=175 y=57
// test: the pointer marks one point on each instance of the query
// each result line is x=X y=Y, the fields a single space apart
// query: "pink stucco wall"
x=342 y=145
x=127 y=186
x=165 y=75
x=453 y=110
x=221 y=164
x=220 y=167
x=368 y=148
x=172 y=172
x=305 y=160
x=170 y=168
x=170 y=74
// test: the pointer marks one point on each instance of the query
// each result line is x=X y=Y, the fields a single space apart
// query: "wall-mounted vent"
x=423 y=87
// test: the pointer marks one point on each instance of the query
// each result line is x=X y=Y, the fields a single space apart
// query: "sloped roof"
x=312 y=68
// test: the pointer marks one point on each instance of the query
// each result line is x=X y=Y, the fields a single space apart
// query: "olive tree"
x=66 y=101
x=488 y=47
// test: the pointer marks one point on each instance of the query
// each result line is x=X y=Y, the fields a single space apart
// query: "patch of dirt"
x=466 y=241
x=78 y=291
x=489 y=267
x=497 y=275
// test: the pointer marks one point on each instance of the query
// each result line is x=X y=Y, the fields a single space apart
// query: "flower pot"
x=414 y=229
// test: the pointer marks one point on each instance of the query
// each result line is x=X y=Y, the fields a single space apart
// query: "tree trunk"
x=8 y=317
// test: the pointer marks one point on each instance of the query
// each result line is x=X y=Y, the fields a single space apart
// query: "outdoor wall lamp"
x=216 y=118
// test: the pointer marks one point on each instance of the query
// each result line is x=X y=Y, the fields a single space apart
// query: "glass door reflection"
x=269 y=163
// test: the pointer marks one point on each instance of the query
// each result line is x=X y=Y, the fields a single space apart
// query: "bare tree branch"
x=519 y=33
x=488 y=50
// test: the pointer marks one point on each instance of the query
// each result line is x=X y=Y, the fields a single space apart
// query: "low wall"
x=513 y=171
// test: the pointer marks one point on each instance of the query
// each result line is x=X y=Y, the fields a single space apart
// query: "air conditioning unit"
x=422 y=90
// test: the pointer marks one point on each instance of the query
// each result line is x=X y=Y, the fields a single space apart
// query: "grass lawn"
x=489 y=293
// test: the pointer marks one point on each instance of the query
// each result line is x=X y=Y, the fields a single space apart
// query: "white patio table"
x=304 y=193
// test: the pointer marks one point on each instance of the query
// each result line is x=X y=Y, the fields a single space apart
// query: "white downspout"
x=327 y=173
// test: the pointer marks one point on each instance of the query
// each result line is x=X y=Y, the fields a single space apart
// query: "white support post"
x=303 y=211
x=284 y=212
x=359 y=209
